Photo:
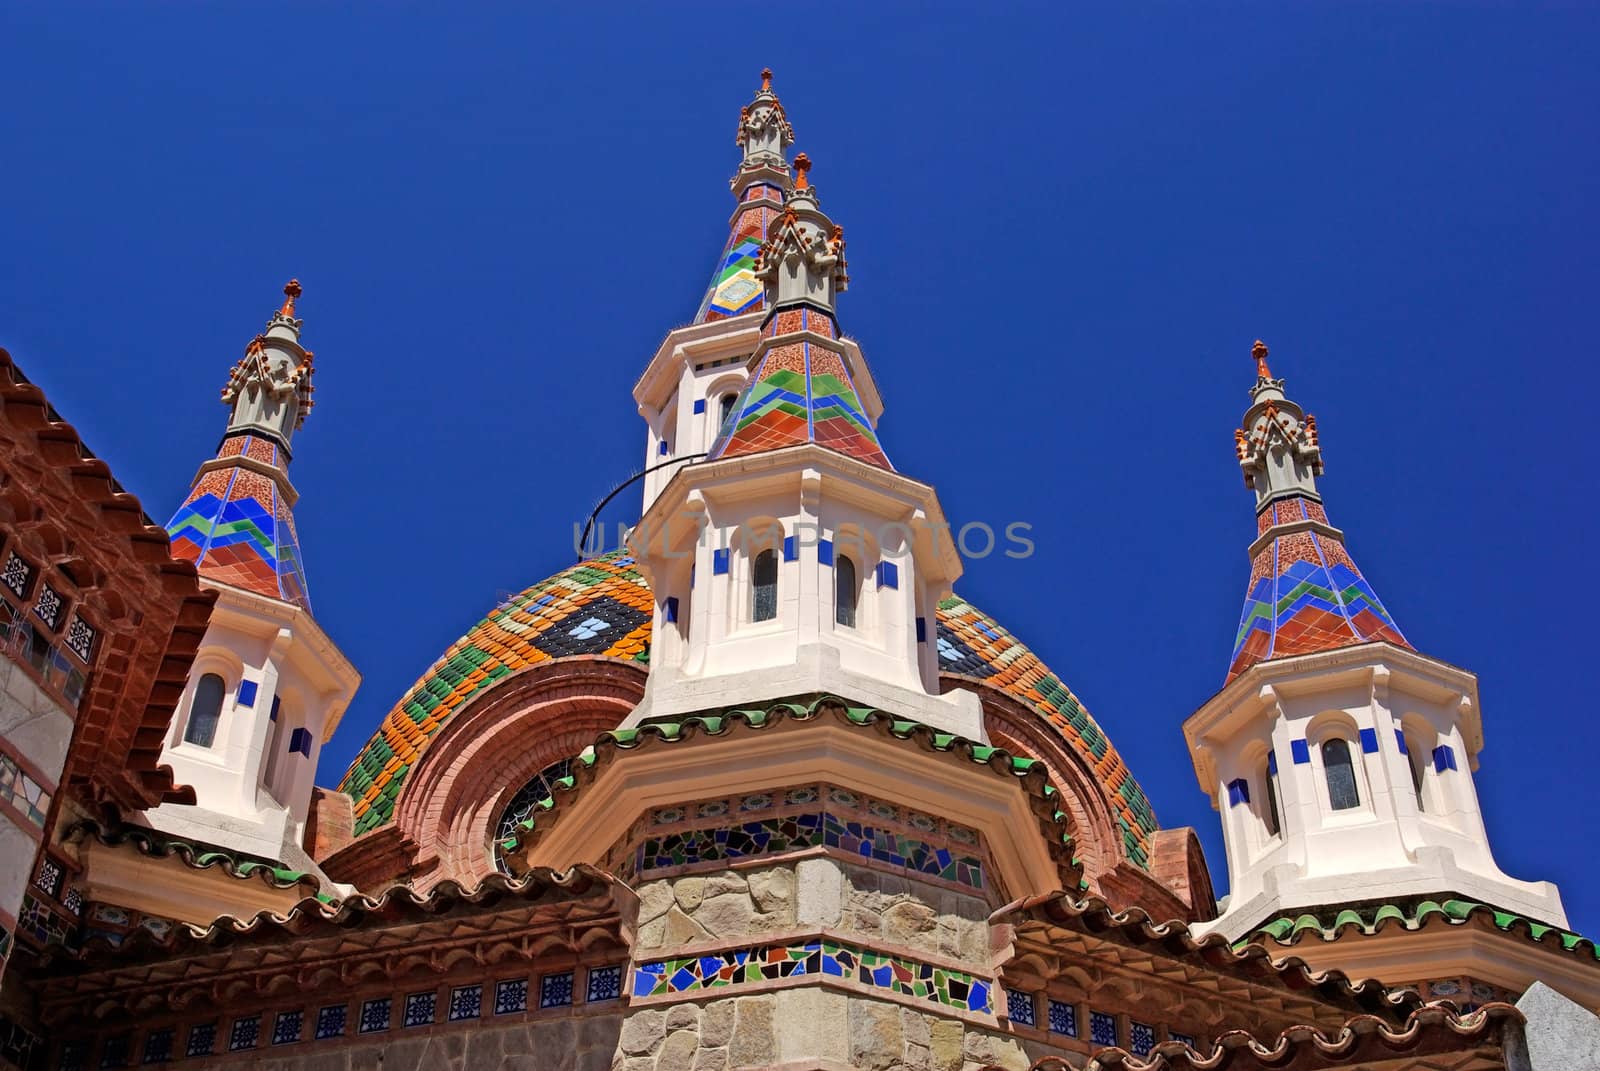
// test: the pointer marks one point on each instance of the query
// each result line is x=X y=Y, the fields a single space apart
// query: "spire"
x=802 y=389
x=236 y=524
x=1305 y=592
x=758 y=188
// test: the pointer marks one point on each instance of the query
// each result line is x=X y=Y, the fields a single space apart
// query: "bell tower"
x=268 y=686
x=794 y=559
x=1340 y=757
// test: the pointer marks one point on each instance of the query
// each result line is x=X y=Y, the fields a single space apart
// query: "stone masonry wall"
x=730 y=1028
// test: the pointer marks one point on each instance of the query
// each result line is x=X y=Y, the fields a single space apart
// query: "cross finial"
x=802 y=164
x=291 y=291
x=1259 y=352
x=766 y=79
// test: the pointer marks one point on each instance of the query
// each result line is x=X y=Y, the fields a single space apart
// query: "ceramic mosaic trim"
x=38 y=922
x=824 y=957
x=772 y=836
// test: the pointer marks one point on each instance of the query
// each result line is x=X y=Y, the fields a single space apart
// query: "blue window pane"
x=764 y=576
x=205 y=710
x=1336 y=763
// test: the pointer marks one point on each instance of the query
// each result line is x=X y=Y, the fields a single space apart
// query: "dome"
x=603 y=607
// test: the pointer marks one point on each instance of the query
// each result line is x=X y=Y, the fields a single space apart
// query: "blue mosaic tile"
x=605 y=983
x=1063 y=1019
x=420 y=1008
x=245 y=1034
x=202 y=1040
x=286 y=1031
x=511 y=996
x=375 y=1015
x=555 y=990
x=826 y=957
x=331 y=1021
x=1019 y=1007
x=466 y=1002
x=1102 y=1028
x=1141 y=1038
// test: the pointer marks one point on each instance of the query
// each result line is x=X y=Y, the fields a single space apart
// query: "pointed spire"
x=1259 y=352
x=764 y=130
x=802 y=261
x=291 y=293
x=236 y=524
x=803 y=389
x=1305 y=592
x=758 y=187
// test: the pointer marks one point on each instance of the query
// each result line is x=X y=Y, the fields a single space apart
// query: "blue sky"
x=1065 y=227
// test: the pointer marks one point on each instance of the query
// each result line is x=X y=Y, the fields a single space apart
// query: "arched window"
x=1415 y=758
x=205 y=711
x=1274 y=818
x=1341 y=772
x=764 y=591
x=845 y=589
x=725 y=409
x=525 y=802
x=269 y=774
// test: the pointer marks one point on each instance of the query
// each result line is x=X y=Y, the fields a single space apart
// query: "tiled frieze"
x=801 y=817
x=1134 y=1029
x=819 y=957
x=372 y=1019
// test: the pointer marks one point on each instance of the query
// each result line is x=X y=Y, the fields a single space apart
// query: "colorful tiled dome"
x=603 y=607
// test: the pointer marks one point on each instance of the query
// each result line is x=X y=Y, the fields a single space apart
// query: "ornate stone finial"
x=766 y=79
x=1259 y=352
x=802 y=164
x=291 y=292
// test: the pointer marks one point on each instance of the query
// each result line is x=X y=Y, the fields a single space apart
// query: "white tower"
x=1340 y=758
x=268 y=686
x=794 y=560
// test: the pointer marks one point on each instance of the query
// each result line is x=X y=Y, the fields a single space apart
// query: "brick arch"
x=1096 y=841
x=493 y=746
x=1176 y=886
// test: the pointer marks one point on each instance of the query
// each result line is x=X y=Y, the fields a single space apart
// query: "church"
x=758 y=789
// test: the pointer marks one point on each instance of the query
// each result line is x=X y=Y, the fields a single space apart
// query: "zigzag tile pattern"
x=972 y=644
x=1306 y=595
x=237 y=529
x=802 y=392
x=599 y=607
x=603 y=606
x=734 y=288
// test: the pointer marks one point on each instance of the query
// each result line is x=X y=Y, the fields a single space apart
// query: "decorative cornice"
x=1054 y=823
x=1249 y=962
x=250 y=464
x=1278 y=531
x=1434 y=1027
